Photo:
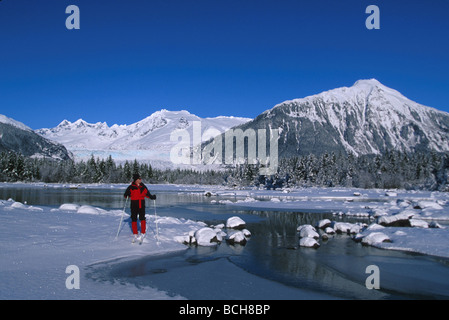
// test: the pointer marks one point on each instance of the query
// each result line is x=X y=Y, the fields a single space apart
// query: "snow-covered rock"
x=247 y=233
x=235 y=223
x=358 y=214
x=236 y=237
x=434 y=224
x=219 y=226
x=323 y=224
x=378 y=212
x=374 y=238
x=69 y=207
x=346 y=227
x=206 y=237
x=309 y=243
x=307 y=231
x=213 y=235
x=33 y=208
x=192 y=239
x=225 y=201
x=424 y=204
x=374 y=226
x=18 y=205
x=418 y=223
x=398 y=220
x=404 y=203
x=220 y=234
x=247 y=200
x=86 y=209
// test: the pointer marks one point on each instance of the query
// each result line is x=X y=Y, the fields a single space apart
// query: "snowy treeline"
x=15 y=167
x=394 y=169
x=428 y=171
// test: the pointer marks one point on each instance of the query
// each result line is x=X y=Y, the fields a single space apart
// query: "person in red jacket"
x=137 y=191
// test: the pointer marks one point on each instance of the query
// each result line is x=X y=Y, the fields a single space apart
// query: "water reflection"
x=338 y=267
x=273 y=253
x=109 y=198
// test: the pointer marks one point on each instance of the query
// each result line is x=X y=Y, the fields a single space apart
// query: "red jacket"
x=138 y=193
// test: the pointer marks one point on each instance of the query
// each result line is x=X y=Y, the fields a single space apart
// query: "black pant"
x=137 y=209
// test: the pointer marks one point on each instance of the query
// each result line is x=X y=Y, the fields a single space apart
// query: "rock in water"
x=206 y=237
x=309 y=243
x=235 y=223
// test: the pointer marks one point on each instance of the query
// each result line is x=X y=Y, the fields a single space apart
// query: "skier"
x=137 y=191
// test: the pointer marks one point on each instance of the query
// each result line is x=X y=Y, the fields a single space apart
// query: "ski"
x=142 y=236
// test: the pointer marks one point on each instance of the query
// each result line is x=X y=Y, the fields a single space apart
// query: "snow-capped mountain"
x=17 y=137
x=145 y=140
x=366 y=118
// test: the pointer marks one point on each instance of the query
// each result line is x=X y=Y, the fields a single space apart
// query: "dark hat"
x=136 y=176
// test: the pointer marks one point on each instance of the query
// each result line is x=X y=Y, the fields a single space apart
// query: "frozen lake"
x=270 y=266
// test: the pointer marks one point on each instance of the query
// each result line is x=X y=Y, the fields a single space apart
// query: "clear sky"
x=210 y=57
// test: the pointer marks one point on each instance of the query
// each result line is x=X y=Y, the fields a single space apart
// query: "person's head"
x=137 y=178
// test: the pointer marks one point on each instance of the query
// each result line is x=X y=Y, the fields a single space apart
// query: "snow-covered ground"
x=38 y=243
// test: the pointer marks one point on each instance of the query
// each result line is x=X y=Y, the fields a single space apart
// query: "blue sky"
x=210 y=57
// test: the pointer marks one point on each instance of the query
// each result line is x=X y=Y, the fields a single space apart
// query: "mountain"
x=17 y=137
x=145 y=140
x=366 y=118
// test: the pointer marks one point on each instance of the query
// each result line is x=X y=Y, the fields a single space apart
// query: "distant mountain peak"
x=146 y=140
x=368 y=82
x=366 y=118
x=64 y=123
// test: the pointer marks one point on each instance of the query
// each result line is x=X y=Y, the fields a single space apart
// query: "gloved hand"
x=153 y=197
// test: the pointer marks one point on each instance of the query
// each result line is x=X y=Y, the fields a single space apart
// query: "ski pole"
x=157 y=228
x=121 y=220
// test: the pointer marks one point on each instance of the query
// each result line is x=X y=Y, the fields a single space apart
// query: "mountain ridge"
x=366 y=118
x=146 y=140
x=19 y=138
